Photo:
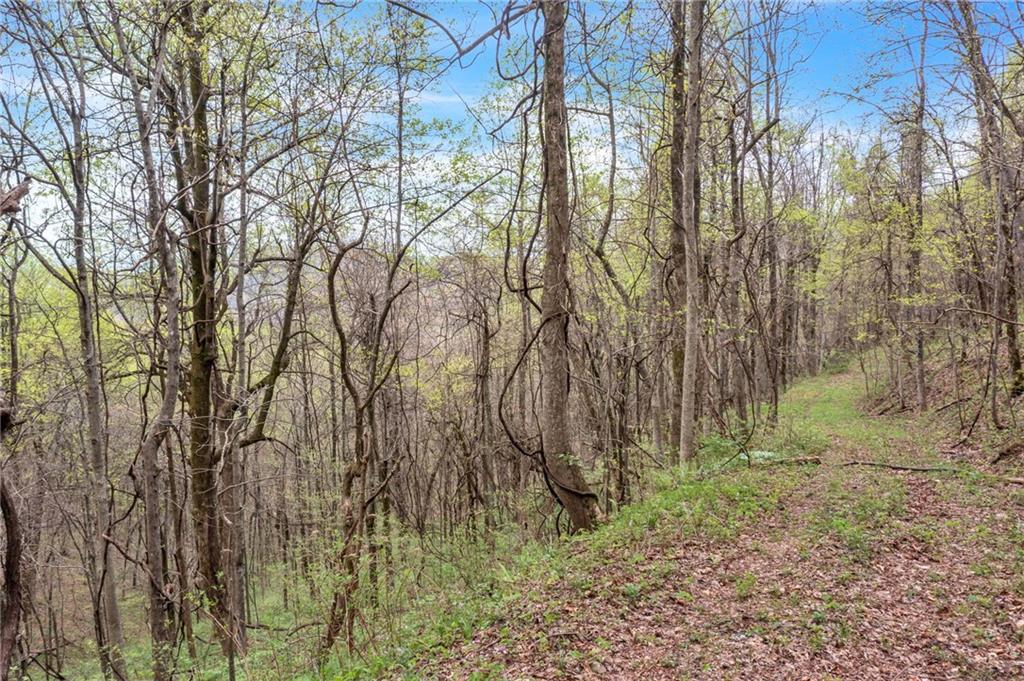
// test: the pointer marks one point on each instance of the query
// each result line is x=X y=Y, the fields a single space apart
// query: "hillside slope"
x=817 y=571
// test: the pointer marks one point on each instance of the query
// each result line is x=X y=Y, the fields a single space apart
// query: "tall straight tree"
x=686 y=203
x=914 y=202
x=562 y=469
x=198 y=204
x=677 y=238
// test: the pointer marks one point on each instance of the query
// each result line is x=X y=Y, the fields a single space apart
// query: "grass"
x=859 y=509
x=745 y=585
x=681 y=505
x=864 y=518
x=716 y=508
x=443 y=593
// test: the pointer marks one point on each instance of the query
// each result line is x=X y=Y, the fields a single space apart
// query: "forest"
x=599 y=339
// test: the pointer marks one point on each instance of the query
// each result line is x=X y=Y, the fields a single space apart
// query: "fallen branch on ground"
x=932 y=469
x=950 y=404
x=796 y=460
x=1010 y=450
x=899 y=467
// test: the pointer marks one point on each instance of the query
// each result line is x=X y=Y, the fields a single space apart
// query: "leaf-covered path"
x=784 y=572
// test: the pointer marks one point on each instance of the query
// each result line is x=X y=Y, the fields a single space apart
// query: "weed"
x=633 y=591
x=684 y=596
x=745 y=585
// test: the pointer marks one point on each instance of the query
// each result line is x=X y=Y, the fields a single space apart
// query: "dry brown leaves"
x=936 y=600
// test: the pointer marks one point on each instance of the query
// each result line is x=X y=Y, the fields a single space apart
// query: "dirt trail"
x=853 y=573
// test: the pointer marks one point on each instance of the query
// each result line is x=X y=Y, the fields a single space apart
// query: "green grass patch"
x=858 y=510
x=745 y=585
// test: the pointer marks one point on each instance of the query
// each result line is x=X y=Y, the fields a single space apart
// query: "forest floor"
x=807 y=571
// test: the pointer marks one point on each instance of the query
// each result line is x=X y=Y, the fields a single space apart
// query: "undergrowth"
x=441 y=591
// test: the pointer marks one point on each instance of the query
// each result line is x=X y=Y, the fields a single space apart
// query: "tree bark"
x=562 y=468
x=195 y=180
x=677 y=240
x=689 y=212
x=10 y=618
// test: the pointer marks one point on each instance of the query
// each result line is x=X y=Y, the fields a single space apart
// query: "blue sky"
x=834 y=42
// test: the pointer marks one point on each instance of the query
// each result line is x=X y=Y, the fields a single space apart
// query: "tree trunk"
x=112 y=637
x=563 y=470
x=10 y=618
x=687 y=212
x=677 y=241
x=200 y=216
